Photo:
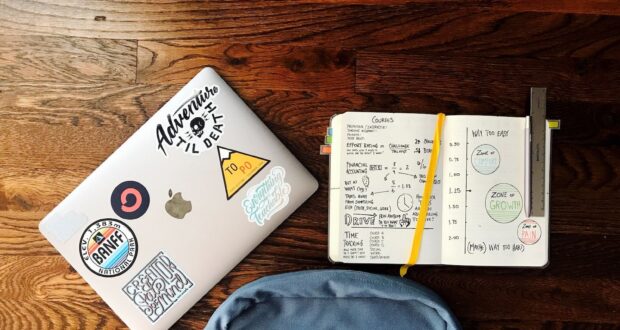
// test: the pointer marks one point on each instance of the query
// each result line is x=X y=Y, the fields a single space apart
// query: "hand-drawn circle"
x=529 y=232
x=108 y=247
x=485 y=159
x=503 y=203
x=404 y=202
x=130 y=200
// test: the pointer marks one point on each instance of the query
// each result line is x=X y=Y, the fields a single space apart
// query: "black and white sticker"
x=194 y=126
x=157 y=287
x=108 y=247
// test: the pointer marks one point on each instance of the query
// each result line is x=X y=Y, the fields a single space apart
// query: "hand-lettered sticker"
x=157 y=287
x=268 y=197
x=108 y=247
x=529 y=232
x=130 y=200
x=195 y=126
x=238 y=168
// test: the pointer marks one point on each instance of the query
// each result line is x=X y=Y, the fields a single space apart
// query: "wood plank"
x=53 y=299
x=75 y=60
x=20 y=236
x=608 y=7
x=566 y=79
x=248 y=66
x=410 y=27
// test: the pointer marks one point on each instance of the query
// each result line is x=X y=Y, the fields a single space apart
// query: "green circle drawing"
x=504 y=203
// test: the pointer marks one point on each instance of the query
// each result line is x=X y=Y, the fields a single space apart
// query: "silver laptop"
x=178 y=205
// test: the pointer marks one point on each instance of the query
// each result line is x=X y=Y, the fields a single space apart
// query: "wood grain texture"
x=451 y=26
x=608 y=7
x=77 y=78
x=51 y=59
x=256 y=66
x=566 y=79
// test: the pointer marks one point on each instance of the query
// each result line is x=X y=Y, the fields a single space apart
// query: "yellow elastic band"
x=426 y=197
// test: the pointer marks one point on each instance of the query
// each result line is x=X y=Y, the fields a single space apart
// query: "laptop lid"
x=178 y=205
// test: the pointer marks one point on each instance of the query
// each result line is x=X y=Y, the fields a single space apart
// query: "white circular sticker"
x=108 y=247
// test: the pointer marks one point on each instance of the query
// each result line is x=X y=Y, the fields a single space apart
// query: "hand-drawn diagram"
x=404 y=202
x=485 y=159
x=475 y=191
x=503 y=203
x=379 y=195
x=529 y=232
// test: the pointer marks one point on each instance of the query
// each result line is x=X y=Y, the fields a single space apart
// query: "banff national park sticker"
x=195 y=126
x=157 y=287
x=108 y=247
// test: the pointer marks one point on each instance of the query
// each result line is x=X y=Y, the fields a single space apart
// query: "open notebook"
x=478 y=208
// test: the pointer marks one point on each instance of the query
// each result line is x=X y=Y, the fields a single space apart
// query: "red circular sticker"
x=130 y=200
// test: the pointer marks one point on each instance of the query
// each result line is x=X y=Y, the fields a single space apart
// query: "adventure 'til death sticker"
x=108 y=247
x=158 y=286
x=195 y=126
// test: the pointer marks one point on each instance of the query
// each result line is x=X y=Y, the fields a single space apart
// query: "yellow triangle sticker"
x=238 y=168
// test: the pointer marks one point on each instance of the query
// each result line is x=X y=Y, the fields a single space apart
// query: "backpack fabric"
x=333 y=299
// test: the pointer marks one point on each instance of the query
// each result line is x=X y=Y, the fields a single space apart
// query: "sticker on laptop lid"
x=157 y=287
x=130 y=200
x=195 y=126
x=268 y=197
x=238 y=168
x=108 y=247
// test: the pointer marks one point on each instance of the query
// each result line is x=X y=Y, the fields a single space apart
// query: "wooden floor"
x=77 y=79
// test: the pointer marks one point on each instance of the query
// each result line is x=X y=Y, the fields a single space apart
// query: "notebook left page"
x=377 y=173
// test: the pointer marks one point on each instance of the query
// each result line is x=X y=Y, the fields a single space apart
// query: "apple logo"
x=177 y=207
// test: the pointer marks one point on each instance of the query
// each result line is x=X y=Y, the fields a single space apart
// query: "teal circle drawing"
x=504 y=203
x=485 y=159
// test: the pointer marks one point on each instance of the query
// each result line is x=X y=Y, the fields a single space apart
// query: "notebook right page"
x=484 y=220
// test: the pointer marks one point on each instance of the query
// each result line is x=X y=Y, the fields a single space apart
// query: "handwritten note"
x=381 y=187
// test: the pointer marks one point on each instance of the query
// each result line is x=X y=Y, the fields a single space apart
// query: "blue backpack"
x=333 y=299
